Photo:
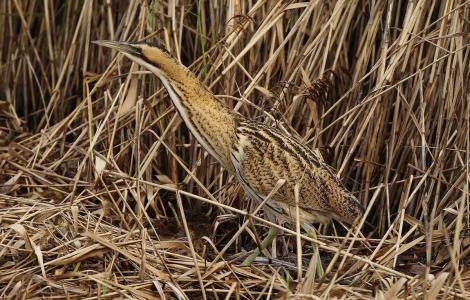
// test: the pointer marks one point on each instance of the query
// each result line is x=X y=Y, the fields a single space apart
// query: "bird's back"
x=263 y=154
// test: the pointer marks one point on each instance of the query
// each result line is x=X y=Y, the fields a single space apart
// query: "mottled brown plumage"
x=259 y=155
x=263 y=155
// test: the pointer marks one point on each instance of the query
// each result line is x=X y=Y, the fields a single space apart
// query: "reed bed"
x=105 y=194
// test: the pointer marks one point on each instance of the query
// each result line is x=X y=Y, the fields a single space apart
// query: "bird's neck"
x=211 y=122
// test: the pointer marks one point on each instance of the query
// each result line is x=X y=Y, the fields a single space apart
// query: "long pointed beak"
x=123 y=47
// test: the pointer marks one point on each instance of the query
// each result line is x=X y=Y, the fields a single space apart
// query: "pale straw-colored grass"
x=105 y=194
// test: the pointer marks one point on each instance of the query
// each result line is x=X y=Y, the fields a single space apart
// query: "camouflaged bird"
x=259 y=155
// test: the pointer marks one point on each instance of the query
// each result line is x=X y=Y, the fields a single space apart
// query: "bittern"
x=257 y=154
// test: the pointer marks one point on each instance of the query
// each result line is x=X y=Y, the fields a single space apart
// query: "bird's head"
x=154 y=58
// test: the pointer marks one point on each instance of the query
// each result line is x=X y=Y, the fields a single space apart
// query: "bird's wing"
x=263 y=155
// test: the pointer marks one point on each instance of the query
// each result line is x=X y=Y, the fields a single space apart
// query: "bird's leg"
x=272 y=233
x=319 y=269
x=255 y=233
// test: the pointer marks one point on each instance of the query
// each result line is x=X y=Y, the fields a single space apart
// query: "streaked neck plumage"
x=211 y=122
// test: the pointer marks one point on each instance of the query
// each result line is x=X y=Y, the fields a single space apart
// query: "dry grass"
x=105 y=194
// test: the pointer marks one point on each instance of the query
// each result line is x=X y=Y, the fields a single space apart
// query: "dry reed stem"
x=104 y=193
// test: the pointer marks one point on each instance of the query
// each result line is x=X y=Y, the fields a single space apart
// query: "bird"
x=257 y=154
